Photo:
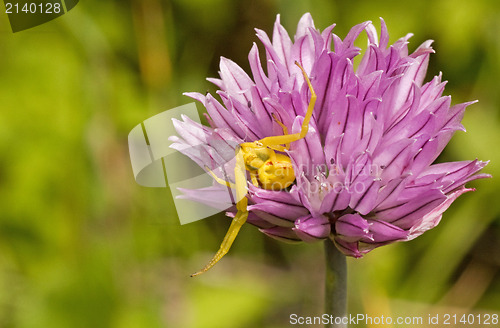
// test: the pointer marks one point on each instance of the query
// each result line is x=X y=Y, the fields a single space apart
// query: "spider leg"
x=285 y=139
x=285 y=130
x=219 y=180
x=253 y=176
x=240 y=217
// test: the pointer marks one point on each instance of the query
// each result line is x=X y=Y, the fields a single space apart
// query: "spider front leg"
x=275 y=142
x=240 y=217
x=285 y=131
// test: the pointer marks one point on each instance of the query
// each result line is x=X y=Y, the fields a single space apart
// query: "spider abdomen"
x=277 y=174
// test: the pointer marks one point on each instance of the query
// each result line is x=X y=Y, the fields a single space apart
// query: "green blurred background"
x=82 y=245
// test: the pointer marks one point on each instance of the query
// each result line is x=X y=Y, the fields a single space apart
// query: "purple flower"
x=364 y=172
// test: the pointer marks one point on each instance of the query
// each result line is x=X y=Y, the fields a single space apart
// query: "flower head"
x=363 y=174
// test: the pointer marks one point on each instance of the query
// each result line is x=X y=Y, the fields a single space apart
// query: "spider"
x=268 y=169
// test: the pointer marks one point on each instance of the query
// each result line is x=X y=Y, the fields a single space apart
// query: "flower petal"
x=312 y=229
x=352 y=228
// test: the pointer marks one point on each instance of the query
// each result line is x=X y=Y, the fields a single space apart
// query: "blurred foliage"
x=82 y=245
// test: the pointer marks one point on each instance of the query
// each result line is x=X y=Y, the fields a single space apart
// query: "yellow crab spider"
x=268 y=170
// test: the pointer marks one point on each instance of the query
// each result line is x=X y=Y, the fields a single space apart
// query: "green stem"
x=335 y=285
